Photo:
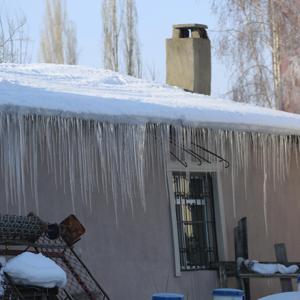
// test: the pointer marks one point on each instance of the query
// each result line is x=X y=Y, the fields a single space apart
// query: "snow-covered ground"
x=109 y=96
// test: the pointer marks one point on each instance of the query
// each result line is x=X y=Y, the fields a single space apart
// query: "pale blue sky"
x=156 y=18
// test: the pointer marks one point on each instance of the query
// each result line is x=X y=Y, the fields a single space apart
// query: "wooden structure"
x=243 y=275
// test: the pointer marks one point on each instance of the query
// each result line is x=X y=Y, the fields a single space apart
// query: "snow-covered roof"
x=109 y=96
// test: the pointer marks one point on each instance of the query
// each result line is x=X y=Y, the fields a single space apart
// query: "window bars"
x=195 y=220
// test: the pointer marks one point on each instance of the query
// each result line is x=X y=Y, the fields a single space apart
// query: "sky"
x=156 y=18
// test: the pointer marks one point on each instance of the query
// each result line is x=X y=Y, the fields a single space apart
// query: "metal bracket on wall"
x=182 y=162
x=221 y=159
x=197 y=156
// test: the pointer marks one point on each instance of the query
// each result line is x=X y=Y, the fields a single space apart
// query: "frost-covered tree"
x=152 y=72
x=119 y=23
x=132 y=55
x=111 y=26
x=14 y=40
x=58 y=43
x=71 y=44
x=252 y=42
x=288 y=24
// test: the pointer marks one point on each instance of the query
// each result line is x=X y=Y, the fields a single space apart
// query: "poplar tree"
x=132 y=55
x=71 y=44
x=111 y=26
x=58 y=43
x=119 y=24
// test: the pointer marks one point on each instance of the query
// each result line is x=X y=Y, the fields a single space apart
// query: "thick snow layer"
x=35 y=270
x=109 y=96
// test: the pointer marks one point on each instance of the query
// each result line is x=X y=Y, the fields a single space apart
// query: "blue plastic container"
x=228 y=294
x=167 y=296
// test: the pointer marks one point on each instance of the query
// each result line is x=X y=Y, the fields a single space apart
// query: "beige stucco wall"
x=134 y=258
x=131 y=259
x=283 y=211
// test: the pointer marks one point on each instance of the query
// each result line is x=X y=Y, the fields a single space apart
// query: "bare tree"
x=257 y=38
x=246 y=45
x=152 y=73
x=14 y=41
x=111 y=26
x=132 y=55
x=58 y=42
x=288 y=42
x=71 y=44
x=119 y=23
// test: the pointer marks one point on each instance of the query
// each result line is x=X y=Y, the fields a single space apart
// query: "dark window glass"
x=195 y=220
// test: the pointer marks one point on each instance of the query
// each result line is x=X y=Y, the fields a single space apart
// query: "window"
x=195 y=220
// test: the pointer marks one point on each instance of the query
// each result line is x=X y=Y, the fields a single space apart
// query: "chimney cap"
x=190 y=26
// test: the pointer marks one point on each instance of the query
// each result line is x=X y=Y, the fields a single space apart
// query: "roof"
x=105 y=95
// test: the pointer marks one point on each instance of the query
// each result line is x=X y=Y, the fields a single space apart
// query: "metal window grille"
x=195 y=220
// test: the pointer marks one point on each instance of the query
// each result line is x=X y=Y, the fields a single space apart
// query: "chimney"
x=189 y=58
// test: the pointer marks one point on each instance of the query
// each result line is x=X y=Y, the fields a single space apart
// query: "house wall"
x=132 y=255
x=283 y=211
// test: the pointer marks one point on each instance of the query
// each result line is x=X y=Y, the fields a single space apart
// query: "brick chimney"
x=189 y=58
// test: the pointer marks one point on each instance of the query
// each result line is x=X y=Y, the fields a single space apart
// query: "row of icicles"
x=87 y=156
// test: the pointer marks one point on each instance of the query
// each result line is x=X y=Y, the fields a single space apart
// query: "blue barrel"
x=167 y=296
x=228 y=294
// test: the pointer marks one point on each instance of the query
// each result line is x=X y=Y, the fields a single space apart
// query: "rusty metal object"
x=71 y=230
x=80 y=285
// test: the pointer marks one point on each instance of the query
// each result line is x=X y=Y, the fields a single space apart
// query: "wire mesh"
x=15 y=292
x=81 y=284
x=20 y=228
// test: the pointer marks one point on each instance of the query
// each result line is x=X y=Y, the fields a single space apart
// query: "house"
x=158 y=176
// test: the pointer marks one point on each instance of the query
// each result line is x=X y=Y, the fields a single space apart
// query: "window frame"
x=195 y=214
x=215 y=169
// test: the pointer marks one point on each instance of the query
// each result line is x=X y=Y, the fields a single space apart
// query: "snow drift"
x=35 y=270
x=109 y=96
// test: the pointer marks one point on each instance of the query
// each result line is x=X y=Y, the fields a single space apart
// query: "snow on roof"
x=109 y=96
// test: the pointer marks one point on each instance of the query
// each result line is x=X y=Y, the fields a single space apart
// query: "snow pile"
x=283 y=296
x=269 y=269
x=108 y=96
x=35 y=270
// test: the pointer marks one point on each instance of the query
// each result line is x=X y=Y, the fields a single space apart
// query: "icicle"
x=265 y=197
x=231 y=141
x=265 y=202
x=84 y=156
